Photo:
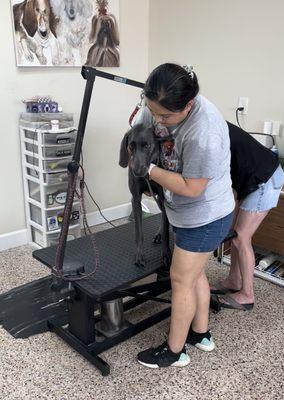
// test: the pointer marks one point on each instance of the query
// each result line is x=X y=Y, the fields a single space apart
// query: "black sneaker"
x=203 y=341
x=162 y=356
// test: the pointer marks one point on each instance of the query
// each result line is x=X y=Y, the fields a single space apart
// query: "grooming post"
x=75 y=267
x=112 y=319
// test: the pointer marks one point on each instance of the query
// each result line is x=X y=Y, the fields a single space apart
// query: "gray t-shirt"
x=200 y=149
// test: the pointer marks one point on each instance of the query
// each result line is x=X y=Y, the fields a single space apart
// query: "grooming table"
x=112 y=281
x=103 y=291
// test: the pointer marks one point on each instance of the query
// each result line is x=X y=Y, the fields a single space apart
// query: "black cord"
x=264 y=134
x=96 y=204
x=94 y=201
x=237 y=115
x=253 y=133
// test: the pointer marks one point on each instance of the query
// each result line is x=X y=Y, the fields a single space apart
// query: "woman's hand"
x=176 y=183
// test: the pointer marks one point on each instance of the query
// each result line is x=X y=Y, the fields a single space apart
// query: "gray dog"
x=138 y=149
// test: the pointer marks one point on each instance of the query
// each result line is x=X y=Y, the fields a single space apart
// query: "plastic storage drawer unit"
x=47 y=147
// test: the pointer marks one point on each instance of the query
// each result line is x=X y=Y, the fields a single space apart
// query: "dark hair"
x=172 y=86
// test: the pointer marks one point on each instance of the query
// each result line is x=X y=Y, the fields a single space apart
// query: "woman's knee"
x=188 y=280
x=241 y=240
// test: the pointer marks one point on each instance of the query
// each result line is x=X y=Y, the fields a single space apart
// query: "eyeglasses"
x=162 y=117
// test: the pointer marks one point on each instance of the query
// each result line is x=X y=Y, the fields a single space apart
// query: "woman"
x=257 y=179
x=198 y=199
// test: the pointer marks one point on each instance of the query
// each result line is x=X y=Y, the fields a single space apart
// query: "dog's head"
x=138 y=149
x=104 y=28
x=71 y=9
x=38 y=17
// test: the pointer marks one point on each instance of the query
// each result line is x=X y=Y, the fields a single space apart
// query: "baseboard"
x=20 y=238
x=13 y=239
x=112 y=213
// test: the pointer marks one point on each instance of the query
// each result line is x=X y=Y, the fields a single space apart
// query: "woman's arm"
x=176 y=183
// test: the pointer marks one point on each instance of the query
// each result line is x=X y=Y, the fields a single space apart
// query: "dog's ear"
x=93 y=34
x=53 y=22
x=123 y=154
x=114 y=30
x=29 y=18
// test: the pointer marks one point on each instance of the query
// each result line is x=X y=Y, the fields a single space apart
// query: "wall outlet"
x=243 y=102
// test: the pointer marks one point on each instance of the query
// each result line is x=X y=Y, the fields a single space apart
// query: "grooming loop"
x=136 y=109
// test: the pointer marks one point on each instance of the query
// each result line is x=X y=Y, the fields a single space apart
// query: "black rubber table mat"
x=117 y=251
x=25 y=310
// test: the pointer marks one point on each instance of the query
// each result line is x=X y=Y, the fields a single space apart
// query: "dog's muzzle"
x=140 y=173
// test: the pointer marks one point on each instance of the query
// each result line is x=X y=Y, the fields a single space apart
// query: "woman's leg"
x=234 y=279
x=246 y=225
x=186 y=269
x=202 y=290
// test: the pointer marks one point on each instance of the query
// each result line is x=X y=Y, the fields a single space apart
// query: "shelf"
x=226 y=260
x=269 y=277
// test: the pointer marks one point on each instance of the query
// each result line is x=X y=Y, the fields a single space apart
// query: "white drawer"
x=54 y=217
x=50 y=151
x=53 y=237
x=53 y=165
x=51 y=138
x=53 y=196
x=48 y=178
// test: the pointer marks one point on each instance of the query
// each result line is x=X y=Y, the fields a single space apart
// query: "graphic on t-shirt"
x=168 y=155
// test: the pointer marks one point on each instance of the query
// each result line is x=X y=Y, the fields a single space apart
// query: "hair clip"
x=189 y=70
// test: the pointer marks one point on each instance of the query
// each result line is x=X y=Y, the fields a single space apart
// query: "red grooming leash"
x=137 y=108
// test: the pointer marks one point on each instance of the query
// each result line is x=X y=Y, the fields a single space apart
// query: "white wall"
x=108 y=117
x=236 y=48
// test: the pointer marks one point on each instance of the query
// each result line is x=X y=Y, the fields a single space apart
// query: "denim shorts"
x=203 y=239
x=267 y=194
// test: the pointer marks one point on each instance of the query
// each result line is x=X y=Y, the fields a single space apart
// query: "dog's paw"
x=140 y=261
x=157 y=238
x=42 y=59
x=29 y=56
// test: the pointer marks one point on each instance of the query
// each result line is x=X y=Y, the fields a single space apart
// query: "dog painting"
x=104 y=36
x=66 y=32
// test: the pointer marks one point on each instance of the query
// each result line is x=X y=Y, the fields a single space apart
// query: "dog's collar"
x=169 y=138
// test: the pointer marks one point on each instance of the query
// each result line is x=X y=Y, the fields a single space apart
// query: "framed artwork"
x=62 y=33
